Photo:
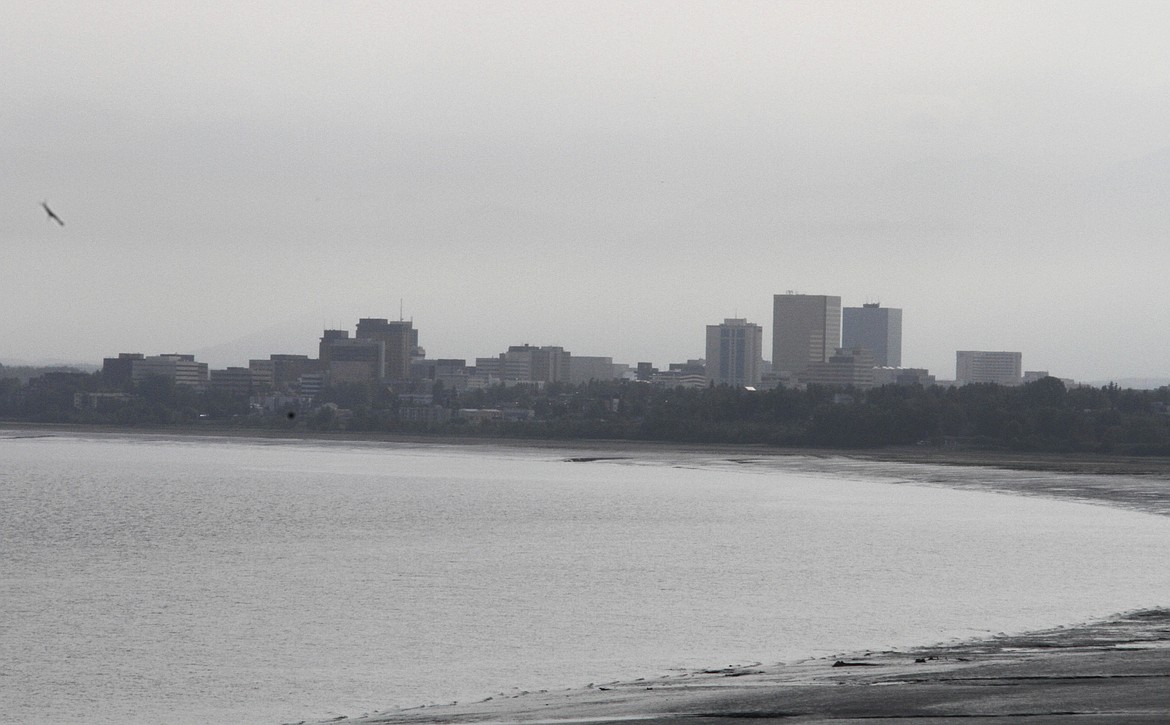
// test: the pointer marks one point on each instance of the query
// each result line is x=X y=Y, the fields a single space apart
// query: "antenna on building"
x=400 y=318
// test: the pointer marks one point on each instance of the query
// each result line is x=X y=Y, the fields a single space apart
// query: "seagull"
x=54 y=217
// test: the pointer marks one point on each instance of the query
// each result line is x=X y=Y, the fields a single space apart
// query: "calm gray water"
x=149 y=580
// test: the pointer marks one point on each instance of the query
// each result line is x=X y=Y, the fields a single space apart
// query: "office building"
x=551 y=364
x=282 y=372
x=734 y=353
x=310 y=384
x=1034 y=376
x=232 y=381
x=328 y=337
x=877 y=329
x=118 y=371
x=645 y=371
x=349 y=360
x=845 y=368
x=400 y=340
x=805 y=329
x=525 y=363
x=181 y=369
x=679 y=378
x=902 y=376
x=586 y=368
x=984 y=366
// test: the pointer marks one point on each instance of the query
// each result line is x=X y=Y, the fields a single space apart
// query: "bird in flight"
x=52 y=216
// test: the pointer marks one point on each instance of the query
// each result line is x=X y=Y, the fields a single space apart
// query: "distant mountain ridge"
x=11 y=362
x=295 y=338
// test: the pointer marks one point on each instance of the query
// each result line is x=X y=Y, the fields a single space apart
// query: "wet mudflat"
x=1115 y=671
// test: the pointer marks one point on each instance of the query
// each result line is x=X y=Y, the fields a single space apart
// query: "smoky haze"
x=609 y=177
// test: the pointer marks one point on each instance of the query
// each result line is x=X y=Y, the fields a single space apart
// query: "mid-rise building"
x=451 y=372
x=263 y=375
x=117 y=372
x=310 y=384
x=525 y=363
x=877 y=329
x=734 y=353
x=232 y=381
x=806 y=329
x=287 y=369
x=400 y=340
x=586 y=368
x=352 y=360
x=986 y=366
x=181 y=369
x=551 y=364
x=328 y=337
x=846 y=368
x=282 y=372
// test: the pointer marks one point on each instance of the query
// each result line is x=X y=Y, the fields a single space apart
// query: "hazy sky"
x=609 y=177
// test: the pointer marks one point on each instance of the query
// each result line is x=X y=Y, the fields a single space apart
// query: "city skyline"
x=733 y=351
x=607 y=177
x=230 y=356
x=366 y=328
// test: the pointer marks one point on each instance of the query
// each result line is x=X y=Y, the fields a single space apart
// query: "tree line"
x=1039 y=416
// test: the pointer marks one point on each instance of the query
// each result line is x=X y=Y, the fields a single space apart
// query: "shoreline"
x=1108 y=671
x=1116 y=669
x=1091 y=463
x=1134 y=483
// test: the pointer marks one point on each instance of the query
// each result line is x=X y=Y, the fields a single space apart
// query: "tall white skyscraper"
x=877 y=329
x=805 y=329
x=734 y=352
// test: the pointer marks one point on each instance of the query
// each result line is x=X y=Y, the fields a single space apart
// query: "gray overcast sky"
x=606 y=176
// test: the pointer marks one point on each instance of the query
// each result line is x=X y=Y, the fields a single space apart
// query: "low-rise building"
x=99 y=401
x=424 y=414
x=902 y=376
x=680 y=379
x=476 y=416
